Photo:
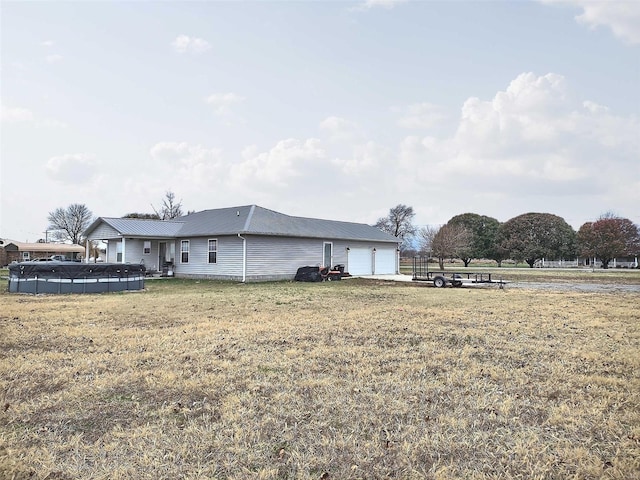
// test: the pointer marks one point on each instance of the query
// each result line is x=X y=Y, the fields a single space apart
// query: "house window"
x=213 y=251
x=25 y=256
x=184 y=251
x=146 y=249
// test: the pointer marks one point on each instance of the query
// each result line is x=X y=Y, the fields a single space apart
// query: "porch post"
x=123 y=250
x=86 y=251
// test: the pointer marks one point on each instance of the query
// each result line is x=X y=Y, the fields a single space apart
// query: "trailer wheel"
x=439 y=282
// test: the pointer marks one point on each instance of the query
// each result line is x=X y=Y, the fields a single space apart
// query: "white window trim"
x=324 y=246
x=209 y=251
x=144 y=247
x=182 y=242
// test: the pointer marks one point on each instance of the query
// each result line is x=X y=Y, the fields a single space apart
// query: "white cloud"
x=621 y=16
x=387 y=4
x=187 y=165
x=593 y=107
x=77 y=168
x=187 y=44
x=529 y=143
x=210 y=179
x=366 y=161
x=222 y=102
x=532 y=143
x=15 y=114
x=340 y=129
x=47 y=43
x=420 y=116
x=288 y=159
x=55 y=58
x=26 y=116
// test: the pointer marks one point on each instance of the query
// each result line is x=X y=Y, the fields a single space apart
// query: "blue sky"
x=336 y=110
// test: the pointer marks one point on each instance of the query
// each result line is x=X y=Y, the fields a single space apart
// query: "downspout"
x=244 y=242
x=244 y=258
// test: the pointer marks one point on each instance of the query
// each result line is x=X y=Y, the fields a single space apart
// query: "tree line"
x=529 y=237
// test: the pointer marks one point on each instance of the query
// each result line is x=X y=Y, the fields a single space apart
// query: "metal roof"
x=138 y=227
x=245 y=220
x=44 y=247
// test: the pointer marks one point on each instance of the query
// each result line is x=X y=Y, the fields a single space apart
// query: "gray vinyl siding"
x=280 y=257
x=133 y=248
x=111 y=250
x=150 y=259
x=273 y=258
x=133 y=252
x=229 y=258
x=268 y=258
x=104 y=231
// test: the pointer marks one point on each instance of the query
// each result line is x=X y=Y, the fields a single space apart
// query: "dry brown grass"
x=352 y=379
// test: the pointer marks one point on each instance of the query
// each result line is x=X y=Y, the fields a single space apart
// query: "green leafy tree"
x=533 y=236
x=399 y=223
x=608 y=237
x=68 y=223
x=483 y=231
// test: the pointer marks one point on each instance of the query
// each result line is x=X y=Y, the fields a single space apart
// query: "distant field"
x=354 y=379
x=526 y=274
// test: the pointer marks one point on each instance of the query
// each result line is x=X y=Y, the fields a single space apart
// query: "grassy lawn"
x=353 y=379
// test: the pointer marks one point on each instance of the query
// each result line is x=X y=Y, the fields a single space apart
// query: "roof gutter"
x=244 y=258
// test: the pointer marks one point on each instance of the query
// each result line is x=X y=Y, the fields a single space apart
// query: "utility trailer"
x=421 y=273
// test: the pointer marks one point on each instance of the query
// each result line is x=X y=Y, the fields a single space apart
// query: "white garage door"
x=359 y=261
x=385 y=261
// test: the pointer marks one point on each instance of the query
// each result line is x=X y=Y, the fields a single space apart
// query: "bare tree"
x=425 y=239
x=170 y=207
x=399 y=224
x=143 y=216
x=450 y=240
x=94 y=250
x=69 y=223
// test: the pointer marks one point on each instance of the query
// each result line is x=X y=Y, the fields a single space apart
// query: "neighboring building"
x=620 y=262
x=247 y=243
x=12 y=251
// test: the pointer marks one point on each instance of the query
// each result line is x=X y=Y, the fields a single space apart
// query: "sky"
x=324 y=109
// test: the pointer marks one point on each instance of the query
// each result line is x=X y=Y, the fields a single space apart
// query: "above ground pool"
x=74 y=277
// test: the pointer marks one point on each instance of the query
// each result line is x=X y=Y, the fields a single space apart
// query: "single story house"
x=247 y=243
x=620 y=262
x=12 y=251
